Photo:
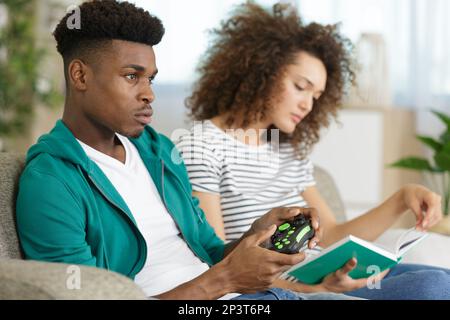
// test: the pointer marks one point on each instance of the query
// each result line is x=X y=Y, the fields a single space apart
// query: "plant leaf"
x=442 y=158
x=435 y=145
x=445 y=137
x=414 y=163
x=445 y=118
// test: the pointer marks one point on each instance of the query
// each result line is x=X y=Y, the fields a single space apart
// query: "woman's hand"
x=340 y=281
x=425 y=204
x=278 y=216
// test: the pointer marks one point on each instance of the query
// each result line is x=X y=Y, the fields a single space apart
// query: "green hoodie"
x=68 y=211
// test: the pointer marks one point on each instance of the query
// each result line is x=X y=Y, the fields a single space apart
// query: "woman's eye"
x=131 y=76
x=299 y=87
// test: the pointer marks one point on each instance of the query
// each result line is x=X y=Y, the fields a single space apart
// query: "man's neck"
x=94 y=134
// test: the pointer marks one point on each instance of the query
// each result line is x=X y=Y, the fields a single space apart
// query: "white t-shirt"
x=170 y=262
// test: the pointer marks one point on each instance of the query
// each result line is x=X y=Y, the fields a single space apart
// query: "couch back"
x=11 y=165
x=328 y=190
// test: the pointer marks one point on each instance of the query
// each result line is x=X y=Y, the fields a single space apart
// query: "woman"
x=267 y=85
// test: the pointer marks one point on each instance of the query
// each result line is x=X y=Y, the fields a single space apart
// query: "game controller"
x=290 y=236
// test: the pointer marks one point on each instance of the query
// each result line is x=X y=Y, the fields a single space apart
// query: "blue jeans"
x=410 y=282
x=283 y=294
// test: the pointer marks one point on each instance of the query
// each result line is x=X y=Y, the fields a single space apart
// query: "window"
x=186 y=37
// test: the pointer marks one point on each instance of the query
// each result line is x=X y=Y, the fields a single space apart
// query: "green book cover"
x=371 y=258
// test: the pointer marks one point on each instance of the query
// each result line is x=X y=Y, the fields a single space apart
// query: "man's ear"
x=78 y=73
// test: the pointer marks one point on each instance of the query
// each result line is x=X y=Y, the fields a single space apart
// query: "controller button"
x=284 y=226
x=302 y=233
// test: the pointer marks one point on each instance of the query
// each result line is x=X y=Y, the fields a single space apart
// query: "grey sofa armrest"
x=26 y=280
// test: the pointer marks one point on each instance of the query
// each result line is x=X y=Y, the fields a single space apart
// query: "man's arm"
x=248 y=268
x=50 y=222
x=210 y=285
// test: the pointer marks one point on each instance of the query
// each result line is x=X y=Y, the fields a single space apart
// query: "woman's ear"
x=77 y=72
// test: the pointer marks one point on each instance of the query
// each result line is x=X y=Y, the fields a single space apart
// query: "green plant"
x=441 y=159
x=21 y=83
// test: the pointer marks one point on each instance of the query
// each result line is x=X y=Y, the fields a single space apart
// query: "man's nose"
x=147 y=95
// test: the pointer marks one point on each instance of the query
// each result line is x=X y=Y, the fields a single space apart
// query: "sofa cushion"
x=11 y=165
x=328 y=190
x=27 y=279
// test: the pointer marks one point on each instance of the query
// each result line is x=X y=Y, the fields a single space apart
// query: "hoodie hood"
x=61 y=143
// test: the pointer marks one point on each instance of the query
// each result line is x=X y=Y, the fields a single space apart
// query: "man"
x=101 y=189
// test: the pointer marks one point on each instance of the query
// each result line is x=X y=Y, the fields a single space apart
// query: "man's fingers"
x=263 y=235
x=287 y=259
x=316 y=239
x=291 y=212
x=315 y=220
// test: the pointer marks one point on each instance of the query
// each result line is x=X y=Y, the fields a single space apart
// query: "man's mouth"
x=144 y=117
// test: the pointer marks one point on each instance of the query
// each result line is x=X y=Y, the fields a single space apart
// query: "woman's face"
x=303 y=82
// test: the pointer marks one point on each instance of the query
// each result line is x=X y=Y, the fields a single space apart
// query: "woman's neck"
x=254 y=134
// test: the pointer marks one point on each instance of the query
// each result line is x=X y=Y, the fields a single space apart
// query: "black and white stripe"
x=251 y=180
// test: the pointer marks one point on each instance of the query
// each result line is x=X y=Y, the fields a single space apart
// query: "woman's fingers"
x=349 y=266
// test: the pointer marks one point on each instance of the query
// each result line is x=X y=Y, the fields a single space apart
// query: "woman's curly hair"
x=241 y=70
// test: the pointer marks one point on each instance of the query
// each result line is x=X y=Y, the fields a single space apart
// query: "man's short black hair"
x=101 y=22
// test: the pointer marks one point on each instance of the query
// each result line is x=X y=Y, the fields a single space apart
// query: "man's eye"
x=131 y=76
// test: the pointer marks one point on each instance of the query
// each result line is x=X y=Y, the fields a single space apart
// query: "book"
x=372 y=258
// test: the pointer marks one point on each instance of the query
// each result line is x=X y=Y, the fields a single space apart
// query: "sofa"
x=26 y=279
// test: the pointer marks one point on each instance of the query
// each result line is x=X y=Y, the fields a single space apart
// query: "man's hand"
x=340 y=281
x=250 y=268
x=278 y=216
x=425 y=204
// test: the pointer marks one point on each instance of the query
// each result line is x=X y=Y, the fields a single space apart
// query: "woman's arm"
x=210 y=204
x=336 y=282
x=425 y=204
x=368 y=226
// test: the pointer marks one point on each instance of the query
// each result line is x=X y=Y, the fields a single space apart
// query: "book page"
x=407 y=240
x=397 y=241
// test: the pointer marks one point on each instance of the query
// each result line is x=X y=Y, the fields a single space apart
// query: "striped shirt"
x=251 y=180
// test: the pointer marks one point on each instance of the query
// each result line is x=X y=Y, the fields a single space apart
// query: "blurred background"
x=403 y=49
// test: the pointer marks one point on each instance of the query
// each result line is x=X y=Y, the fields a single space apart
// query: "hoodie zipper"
x=118 y=207
x=167 y=208
x=181 y=183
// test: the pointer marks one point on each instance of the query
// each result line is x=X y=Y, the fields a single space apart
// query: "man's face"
x=118 y=93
